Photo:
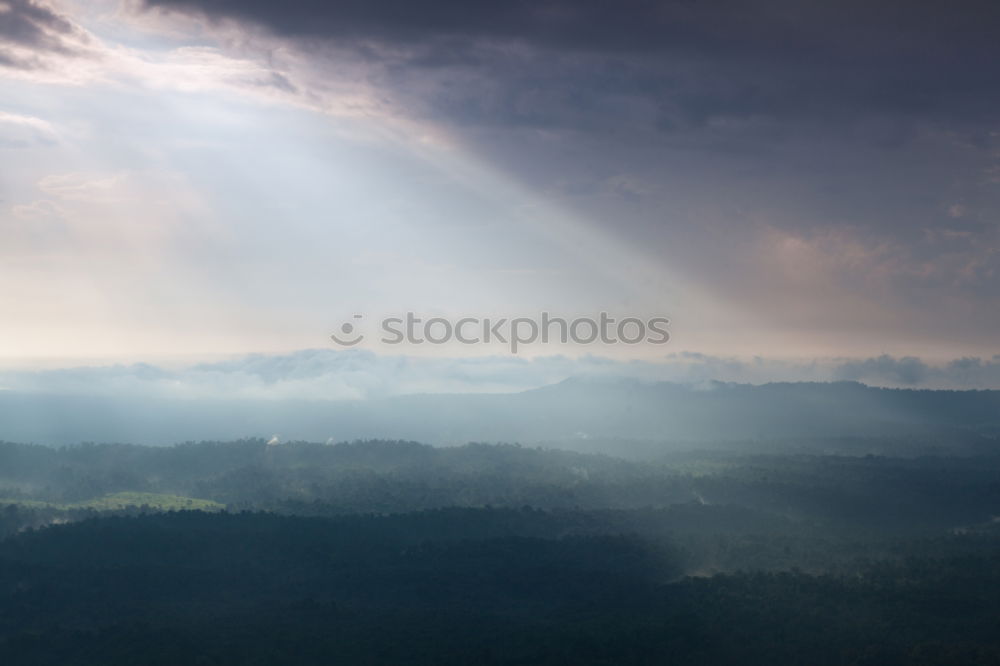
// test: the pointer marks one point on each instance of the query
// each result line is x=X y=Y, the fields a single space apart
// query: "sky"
x=807 y=190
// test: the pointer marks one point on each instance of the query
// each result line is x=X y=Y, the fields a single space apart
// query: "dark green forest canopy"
x=266 y=589
x=387 y=552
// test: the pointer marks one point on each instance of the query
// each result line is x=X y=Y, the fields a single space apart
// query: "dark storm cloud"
x=749 y=58
x=26 y=22
x=32 y=28
x=767 y=27
x=629 y=25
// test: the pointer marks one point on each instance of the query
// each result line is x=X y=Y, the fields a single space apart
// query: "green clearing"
x=126 y=500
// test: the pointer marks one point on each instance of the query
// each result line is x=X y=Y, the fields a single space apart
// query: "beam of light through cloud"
x=168 y=164
x=368 y=234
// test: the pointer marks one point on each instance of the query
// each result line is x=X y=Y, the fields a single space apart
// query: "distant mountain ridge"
x=570 y=411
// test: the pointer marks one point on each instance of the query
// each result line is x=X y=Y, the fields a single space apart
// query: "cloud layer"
x=356 y=375
x=810 y=179
x=831 y=167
